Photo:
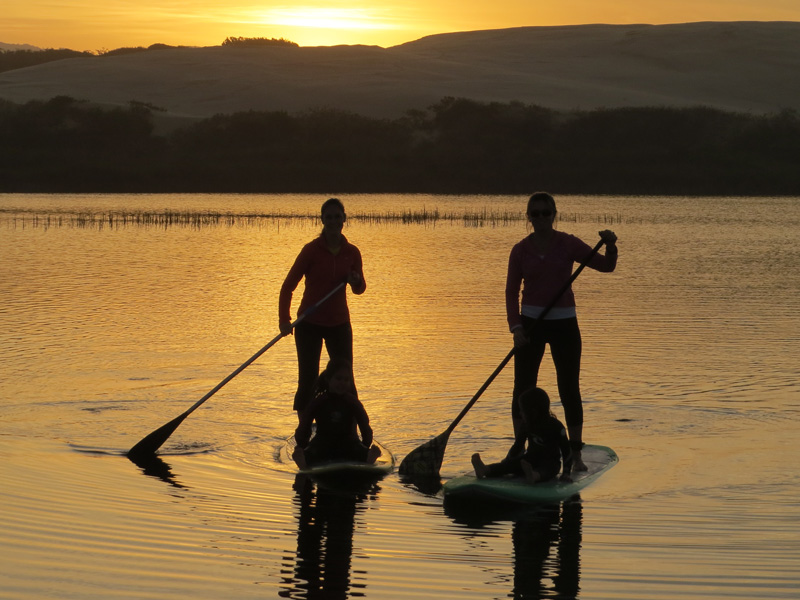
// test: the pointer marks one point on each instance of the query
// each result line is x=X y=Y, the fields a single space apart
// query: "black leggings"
x=564 y=338
x=308 y=339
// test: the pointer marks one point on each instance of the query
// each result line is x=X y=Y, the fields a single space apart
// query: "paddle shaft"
x=272 y=342
x=150 y=443
x=540 y=318
x=425 y=461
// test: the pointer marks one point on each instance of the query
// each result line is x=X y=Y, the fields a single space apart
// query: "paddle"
x=426 y=460
x=148 y=445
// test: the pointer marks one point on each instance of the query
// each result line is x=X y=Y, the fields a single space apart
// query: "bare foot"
x=373 y=453
x=577 y=463
x=531 y=475
x=300 y=459
x=481 y=470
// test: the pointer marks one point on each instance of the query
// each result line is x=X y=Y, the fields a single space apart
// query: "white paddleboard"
x=382 y=466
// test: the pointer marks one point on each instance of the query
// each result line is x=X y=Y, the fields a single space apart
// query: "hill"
x=742 y=66
x=12 y=47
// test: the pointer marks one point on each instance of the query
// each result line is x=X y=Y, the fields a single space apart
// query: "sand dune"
x=744 y=66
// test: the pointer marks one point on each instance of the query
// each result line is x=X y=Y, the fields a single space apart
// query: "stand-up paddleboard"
x=382 y=466
x=598 y=459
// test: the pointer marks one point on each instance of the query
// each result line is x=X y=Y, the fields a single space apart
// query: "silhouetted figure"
x=325 y=526
x=339 y=417
x=547 y=547
x=325 y=263
x=543 y=440
x=541 y=264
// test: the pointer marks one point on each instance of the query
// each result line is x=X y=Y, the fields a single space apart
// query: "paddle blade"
x=426 y=460
x=153 y=441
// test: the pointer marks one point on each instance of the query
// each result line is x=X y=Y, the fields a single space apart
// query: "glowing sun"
x=325 y=18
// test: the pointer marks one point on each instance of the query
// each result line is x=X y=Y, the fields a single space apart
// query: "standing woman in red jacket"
x=325 y=262
x=541 y=264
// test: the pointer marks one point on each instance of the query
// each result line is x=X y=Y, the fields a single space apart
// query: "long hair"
x=535 y=403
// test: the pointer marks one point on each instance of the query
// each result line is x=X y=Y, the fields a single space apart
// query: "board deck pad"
x=598 y=459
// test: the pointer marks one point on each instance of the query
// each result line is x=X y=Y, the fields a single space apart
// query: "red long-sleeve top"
x=323 y=271
x=543 y=275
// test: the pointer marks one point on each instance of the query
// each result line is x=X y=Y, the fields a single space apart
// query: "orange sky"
x=107 y=24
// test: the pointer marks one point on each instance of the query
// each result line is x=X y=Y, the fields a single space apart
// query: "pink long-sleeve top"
x=541 y=276
x=323 y=271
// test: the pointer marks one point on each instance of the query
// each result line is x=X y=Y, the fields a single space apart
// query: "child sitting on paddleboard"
x=339 y=416
x=547 y=444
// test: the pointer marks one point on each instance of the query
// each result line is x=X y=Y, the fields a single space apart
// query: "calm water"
x=111 y=328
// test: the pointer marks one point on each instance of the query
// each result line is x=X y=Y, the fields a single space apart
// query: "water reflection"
x=546 y=543
x=102 y=329
x=428 y=485
x=326 y=521
x=154 y=466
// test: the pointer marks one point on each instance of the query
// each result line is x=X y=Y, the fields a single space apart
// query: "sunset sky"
x=107 y=24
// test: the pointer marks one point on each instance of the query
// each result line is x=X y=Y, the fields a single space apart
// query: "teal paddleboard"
x=598 y=459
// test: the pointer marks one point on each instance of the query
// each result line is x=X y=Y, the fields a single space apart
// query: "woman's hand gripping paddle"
x=425 y=461
x=148 y=445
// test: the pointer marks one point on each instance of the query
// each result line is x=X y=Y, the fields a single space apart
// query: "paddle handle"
x=540 y=318
x=269 y=345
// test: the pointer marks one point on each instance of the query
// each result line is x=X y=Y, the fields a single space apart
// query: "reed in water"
x=486 y=217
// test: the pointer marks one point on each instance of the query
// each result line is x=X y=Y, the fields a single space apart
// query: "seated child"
x=547 y=444
x=338 y=414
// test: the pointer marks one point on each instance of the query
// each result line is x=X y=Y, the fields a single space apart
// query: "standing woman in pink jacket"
x=325 y=262
x=541 y=264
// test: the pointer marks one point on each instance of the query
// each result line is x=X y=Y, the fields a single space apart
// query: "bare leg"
x=531 y=474
x=373 y=453
x=576 y=434
x=481 y=469
x=577 y=462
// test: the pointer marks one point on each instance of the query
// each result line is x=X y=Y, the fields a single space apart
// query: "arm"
x=610 y=238
x=291 y=282
x=363 y=424
x=513 y=284
x=302 y=435
x=356 y=276
x=605 y=263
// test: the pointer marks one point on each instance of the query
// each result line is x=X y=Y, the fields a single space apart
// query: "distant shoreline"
x=456 y=146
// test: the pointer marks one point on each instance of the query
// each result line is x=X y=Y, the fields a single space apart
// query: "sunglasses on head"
x=540 y=213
